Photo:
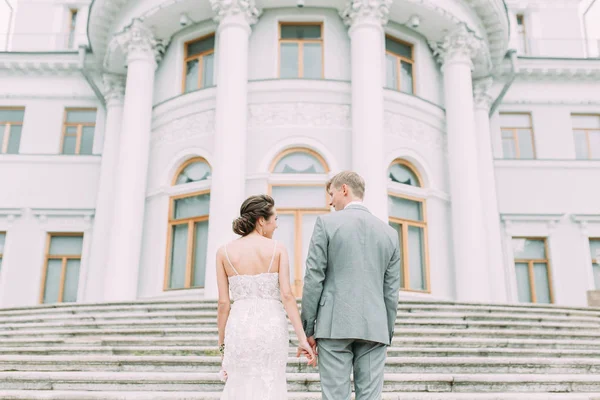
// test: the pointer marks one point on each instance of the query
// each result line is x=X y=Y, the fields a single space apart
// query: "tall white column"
x=114 y=90
x=489 y=197
x=468 y=233
x=142 y=51
x=366 y=19
x=228 y=187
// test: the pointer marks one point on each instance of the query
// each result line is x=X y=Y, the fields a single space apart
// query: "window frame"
x=72 y=27
x=524 y=33
x=300 y=43
x=185 y=165
x=199 y=57
x=2 y=254
x=7 y=129
x=400 y=161
x=79 y=133
x=530 y=268
x=399 y=60
x=190 y=255
x=64 y=257
x=515 y=137
x=292 y=150
x=594 y=260
x=587 y=133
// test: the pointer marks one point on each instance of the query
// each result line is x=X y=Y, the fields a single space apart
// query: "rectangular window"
x=533 y=270
x=78 y=131
x=586 y=133
x=399 y=65
x=188 y=236
x=522 y=47
x=199 y=63
x=595 y=250
x=61 y=268
x=407 y=217
x=11 y=126
x=72 y=28
x=301 y=50
x=517 y=136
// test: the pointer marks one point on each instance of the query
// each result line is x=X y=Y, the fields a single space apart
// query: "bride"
x=253 y=331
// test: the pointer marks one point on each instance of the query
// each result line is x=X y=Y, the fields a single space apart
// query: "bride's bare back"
x=252 y=255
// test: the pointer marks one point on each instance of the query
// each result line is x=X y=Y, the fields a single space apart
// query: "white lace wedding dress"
x=256 y=338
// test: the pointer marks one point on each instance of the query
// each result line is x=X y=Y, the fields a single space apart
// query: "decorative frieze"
x=414 y=131
x=314 y=115
x=187 y=127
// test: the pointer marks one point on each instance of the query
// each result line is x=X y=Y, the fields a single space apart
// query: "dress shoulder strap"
x=273 y=256
x=229 y=261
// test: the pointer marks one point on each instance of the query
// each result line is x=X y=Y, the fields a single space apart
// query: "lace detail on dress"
x=261 y=286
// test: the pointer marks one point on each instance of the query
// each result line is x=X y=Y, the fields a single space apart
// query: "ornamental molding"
x=231 y=8
x=137 y=40
x=557 y=69
x=114 y=88
x=414 y=131
x=40 y=64
x=481 y=93
x=184 y=128
x=366 y=10
x=457 y=45
x=541 y=4
x=270 y=115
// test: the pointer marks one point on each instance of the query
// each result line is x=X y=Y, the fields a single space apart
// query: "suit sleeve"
x=316 y=266
x=391 y=288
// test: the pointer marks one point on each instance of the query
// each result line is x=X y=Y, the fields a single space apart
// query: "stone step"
x=406 y=323
x=198 y=350
x=402 y=365
x=301 y=382
x=161 y=395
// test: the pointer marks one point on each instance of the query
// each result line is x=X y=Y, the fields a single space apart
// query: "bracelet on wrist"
x=222 y=349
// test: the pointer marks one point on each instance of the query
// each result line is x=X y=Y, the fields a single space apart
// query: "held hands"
x=308 y=348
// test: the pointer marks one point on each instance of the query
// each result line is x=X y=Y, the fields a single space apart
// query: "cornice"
x=563 y=69
x=39 y=63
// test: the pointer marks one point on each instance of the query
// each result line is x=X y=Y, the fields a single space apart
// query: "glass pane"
x=507 y=134
x=299 y=196
x=586 y=121
x=289 y=60
x=200 y=46
x=523 y=287
x=594 y=248
x=313 y=61
x=194 y=206
x=581 y=145
x=542 y=285
x=191 y=76
x=301 y=31
x=178 y=256
x=525 y=144
x=87 y=140
x=195 y=172
x=405 y=209
x=509 y=150
x=406 y=79
x=0 y=263
x=515 y=121
x=2 y=242
x=71 y=281
x=595 y=145
x=52 y=285
x=285 y=233
x=529 y=249
x=398 y=228
x=416 y=257
x=88 y=116
x=69 y=144
x=208 y=70
x=299 y=163
x=2 y=131
x=66 y=245
x=14 y=140
x=401 y=49
x=201 y=241
x=11 y=115
x=402 y=174
x=596 y=269
x=391 y=72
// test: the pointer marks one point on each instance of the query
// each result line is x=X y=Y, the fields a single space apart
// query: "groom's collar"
x=357 y=205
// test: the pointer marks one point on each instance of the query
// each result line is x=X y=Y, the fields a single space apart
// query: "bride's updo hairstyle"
x=250 y=212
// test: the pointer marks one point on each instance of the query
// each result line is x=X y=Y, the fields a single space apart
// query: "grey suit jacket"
x=352 y=277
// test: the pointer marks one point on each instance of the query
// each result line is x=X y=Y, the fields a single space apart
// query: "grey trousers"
x=337 y=358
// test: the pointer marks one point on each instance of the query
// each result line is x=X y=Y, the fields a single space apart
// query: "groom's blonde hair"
x=350 y=178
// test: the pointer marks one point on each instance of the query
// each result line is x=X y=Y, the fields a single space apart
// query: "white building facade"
x=131 y=132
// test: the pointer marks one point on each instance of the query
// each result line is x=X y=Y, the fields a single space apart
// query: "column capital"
x=481 y=93
x=459 y=46
x=114 y=89
x=246 y=9
x=138 y=42
x=374 y=11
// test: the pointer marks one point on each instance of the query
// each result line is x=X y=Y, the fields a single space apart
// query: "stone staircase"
x=167 y=350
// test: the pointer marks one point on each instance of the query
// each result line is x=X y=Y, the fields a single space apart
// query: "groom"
x=350 y=297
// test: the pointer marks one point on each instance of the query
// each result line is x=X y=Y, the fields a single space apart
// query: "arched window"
x=408 y=216
x=297 y=183
x=188 y=227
